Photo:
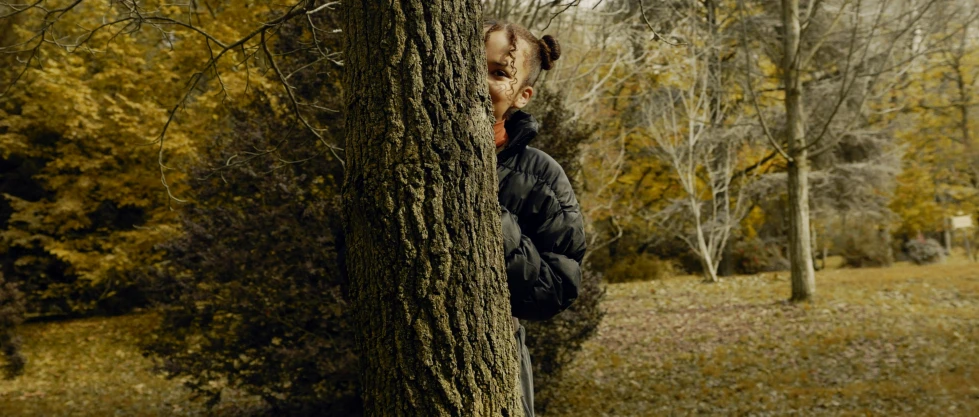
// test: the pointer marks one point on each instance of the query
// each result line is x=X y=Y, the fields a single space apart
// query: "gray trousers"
x=526 y=372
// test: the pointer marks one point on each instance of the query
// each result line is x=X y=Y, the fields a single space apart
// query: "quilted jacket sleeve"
x=544 y=253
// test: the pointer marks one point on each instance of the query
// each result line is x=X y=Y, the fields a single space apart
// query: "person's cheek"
x=496 y=92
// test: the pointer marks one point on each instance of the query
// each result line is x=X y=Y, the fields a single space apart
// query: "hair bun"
x=550 y=51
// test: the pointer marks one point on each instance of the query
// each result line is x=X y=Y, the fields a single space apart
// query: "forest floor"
x=896 y=341
x=93 y=367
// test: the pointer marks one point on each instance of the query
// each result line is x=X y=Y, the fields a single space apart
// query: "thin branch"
x=19 y=11
x=327 y=5
x=295 y=102
x=750 y=88
x=656 y=35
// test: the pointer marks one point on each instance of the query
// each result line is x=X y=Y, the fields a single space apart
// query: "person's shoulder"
x=538 y=163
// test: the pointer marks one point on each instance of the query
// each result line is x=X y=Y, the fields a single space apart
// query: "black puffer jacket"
x=543 y=232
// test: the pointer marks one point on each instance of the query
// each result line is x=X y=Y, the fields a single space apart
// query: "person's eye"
x=501 y=73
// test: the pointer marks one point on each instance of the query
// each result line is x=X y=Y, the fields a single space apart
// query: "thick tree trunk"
x=424 y=246
x=800 y=245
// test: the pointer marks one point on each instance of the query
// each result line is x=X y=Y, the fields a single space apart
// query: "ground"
x=895 y=341
x=93 y=367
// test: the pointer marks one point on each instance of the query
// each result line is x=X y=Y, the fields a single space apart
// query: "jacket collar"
x=521 y=128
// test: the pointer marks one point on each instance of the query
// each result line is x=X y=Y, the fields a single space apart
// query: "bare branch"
x=656 y=35
x=751 y=90
x=295 y=102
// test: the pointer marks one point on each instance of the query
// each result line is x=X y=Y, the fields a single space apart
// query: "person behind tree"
x=543 y=231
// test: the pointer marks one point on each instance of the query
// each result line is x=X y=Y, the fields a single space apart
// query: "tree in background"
x=697 y=132
x=935 y=122
x=81 y=207
x=836 y=65
x=703 y=161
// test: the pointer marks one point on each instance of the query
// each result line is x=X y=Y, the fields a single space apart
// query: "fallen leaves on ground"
x=896 y=341
x=92 y=367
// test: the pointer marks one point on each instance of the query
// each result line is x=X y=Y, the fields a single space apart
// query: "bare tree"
x=841 y=49
x=698 y=134
x=702 y=159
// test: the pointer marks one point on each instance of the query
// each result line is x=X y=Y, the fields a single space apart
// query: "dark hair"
x=543 y=52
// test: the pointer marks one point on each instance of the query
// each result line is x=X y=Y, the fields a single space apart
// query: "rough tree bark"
x=424 y=246
x=800 y=244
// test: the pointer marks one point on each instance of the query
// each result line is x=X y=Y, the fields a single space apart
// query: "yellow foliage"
x=941 y=164
x=91 y=118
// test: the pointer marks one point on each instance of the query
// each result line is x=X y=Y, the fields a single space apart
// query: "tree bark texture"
x=422 y=219
x=800 y=244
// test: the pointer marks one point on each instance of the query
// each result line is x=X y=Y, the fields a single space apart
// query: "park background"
x=170 y=218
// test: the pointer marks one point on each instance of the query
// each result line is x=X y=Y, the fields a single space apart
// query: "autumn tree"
x=81 y=208
x=937 y=123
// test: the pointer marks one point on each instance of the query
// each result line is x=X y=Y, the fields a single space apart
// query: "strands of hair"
x=545 y=50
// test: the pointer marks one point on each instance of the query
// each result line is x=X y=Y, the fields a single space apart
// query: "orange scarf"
x=499 y=134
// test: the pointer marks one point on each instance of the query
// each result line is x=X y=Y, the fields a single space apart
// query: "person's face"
x=507 y=75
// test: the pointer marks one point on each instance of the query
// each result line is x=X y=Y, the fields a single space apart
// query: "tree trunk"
x=947 y=235
x=720 y=160
x=424 y=245
x=708 y=262
x=815 y=244
x=964 y=102
x=800 y=246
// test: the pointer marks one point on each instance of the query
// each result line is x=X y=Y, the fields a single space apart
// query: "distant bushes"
x=641 y=267
x=924 y=251
x=864 y=247
x=753 y=256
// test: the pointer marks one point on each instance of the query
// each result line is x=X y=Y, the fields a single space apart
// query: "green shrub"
x=554 y=343
x=258 y=290
x=865 y=248
x=256 y=280
x=924 y=251
x=754 y=256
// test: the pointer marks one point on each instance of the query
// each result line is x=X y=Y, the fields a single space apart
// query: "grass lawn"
x=92 y=367
x=877 y=342
x=896 y=341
